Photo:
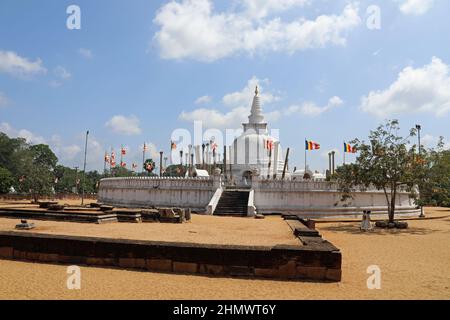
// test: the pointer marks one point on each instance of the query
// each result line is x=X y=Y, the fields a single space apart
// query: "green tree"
x=121 y=172
x=36 y=169
x=435 y=185
x=386 y=163
x=6 y=180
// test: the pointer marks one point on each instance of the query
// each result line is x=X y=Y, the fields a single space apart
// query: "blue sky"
x=137 y=70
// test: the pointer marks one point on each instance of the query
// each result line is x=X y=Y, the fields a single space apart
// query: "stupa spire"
x=256 y=115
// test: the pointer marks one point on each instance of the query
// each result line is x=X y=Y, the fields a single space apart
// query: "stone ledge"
x=279 y=262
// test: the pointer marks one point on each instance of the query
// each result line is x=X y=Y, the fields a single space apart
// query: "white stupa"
x=249 y=153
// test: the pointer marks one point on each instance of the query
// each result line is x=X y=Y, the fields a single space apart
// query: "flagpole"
x=121 y=155
x=143 y=159
x=305 y=157
x=345 y=151
x=104 y=163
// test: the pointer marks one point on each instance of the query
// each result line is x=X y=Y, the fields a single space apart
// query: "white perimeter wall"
x=311 y=198
x=154 y=191
x=321 y=197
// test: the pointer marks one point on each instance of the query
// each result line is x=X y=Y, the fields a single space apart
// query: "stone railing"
x=212 y=205
x=277 y=185
x=200 y=183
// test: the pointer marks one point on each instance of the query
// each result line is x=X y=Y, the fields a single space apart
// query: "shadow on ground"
x=354 y=229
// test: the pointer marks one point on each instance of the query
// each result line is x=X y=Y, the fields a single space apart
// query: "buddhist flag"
x=123 y=164
x=123 y=151
x=173 y=145
x=113 y=158
x=311 y=145
x=268 y=144
x=348 y=148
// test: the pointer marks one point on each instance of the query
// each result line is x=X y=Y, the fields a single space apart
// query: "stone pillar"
x=217 y=178
x=276 y=159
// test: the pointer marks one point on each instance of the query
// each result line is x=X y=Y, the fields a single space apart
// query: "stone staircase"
x=232 y=203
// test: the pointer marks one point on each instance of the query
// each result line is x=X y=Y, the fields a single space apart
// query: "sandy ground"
x=414 y=263
x=201 y=229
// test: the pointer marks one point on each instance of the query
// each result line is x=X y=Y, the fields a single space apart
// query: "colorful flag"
x=311 y=145
x=173 y=145
x=123 y=164
x=268 y=144
x=106 y=157
x=214 y=146
x=348 y=148
x=123 y=151
x=113 y=157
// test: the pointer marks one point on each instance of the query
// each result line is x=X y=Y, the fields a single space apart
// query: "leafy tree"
x=121 y=172
x=175 y=170
x=435 y=185
x=36 y=166
x=386 y=163
x=6 y=180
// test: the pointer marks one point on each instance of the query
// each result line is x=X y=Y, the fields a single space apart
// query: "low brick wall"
x=313 y=262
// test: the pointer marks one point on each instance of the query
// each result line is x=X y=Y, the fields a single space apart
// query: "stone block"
x=288 y=270
x=126 y=262
x=48 y=257
x=17 y=254
x=132 y=263
x=185 y=267
x=211 y=269
x=241 y=271
x=266 y=273
x=33 y=256
x=6 y=252
x=159 y=264
x=334 y=274
x=313 y=273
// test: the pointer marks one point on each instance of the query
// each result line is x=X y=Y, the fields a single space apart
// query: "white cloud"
x=416 y=7
x=313 y=110
x=124 y=125
x=245 y=96
x=192 y=29
x=203 y=100
x=213 y=118
x=13 y=64
x=4 y=101
x=430 y=141
x=21 y=133
x=239 y=102
x=86 y=53
x=263 y=8
x=425 y=89
x=62 y=73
